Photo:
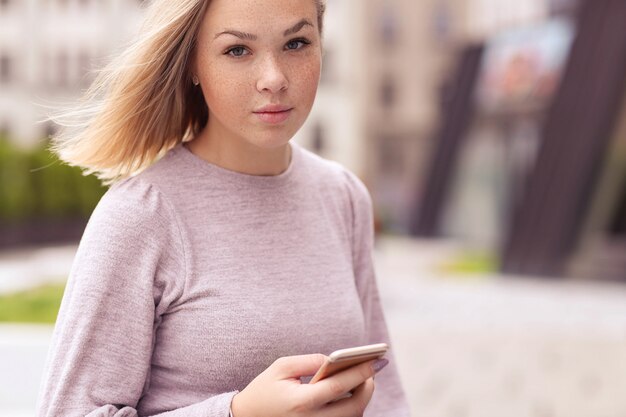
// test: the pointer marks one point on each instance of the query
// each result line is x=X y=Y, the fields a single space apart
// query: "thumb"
x=297 y=366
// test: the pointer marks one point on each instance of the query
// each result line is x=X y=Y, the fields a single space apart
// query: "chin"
x=272 y=140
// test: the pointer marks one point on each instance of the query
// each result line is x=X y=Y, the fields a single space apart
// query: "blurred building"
x=529 y=158
x=412 y=48
x=601 y=251
x=336 y=127
x=401 y=80
x=48 y=51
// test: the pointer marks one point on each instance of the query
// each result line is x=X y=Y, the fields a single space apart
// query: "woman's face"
x=258 y=63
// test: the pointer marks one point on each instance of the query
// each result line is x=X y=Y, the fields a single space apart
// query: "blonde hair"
x=143 y=103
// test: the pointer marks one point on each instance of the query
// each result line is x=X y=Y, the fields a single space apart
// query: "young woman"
x=224 y=261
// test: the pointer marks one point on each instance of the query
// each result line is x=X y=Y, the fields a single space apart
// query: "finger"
x=363 y=393
x=353 y=406
x=297 y=366
x=335 y=386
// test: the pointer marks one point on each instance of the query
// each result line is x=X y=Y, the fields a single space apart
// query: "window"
x=62 y=67
x=6 y=69
x=84 y=67
x=391 y=155
x=388 y=26
x=387 y=92
x=327 y=75
x=5 y=130
x=565 y=8
x=50 y=129
x=318 y=144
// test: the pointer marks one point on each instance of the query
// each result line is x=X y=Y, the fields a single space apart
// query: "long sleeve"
x=389 y=397
x=129 y=268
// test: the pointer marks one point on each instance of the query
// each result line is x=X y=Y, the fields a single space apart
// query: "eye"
x=236 y=51
x=295 y=44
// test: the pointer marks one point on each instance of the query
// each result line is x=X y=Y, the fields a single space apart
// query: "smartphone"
x=345 y=358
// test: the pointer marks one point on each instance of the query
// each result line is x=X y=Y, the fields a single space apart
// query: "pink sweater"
x=190 y=280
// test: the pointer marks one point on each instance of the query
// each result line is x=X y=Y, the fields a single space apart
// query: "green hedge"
x=36 y=305
x=35 y=184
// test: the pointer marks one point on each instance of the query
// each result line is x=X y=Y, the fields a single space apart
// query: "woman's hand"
x=278 y=392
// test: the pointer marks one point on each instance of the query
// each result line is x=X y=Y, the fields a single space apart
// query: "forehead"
x=248 y=15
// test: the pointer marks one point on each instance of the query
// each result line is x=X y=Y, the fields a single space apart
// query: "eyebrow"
x=237 y=33
x=296 y=28
x=249 y=36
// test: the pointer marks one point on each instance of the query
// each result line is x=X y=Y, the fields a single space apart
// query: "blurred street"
x=467 y=346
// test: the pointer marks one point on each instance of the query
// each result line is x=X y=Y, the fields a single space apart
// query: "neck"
x=240 y=156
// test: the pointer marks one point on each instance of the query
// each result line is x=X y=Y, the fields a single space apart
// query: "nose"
x=271 y=76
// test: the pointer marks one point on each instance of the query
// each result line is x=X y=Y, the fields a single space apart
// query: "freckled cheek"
x=227 y=92
x=308 y=79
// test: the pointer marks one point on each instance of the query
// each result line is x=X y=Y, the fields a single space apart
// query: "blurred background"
x=492 y=137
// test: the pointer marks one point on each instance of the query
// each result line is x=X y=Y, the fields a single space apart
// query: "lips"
x=273 y=113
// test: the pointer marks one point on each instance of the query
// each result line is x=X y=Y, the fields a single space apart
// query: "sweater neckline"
x=218 y=172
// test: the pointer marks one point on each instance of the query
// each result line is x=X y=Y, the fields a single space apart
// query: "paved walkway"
x=491 y=346
x=22 y=356
x=26 y=268
x=468 y=346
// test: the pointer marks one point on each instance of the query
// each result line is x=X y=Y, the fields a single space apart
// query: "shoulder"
x=333 y=175
x=341 y=187
x=148 y=195
x=134 y=223
x=336 y=178
x=129 y=208
x=141 y=202
x=338 y=184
